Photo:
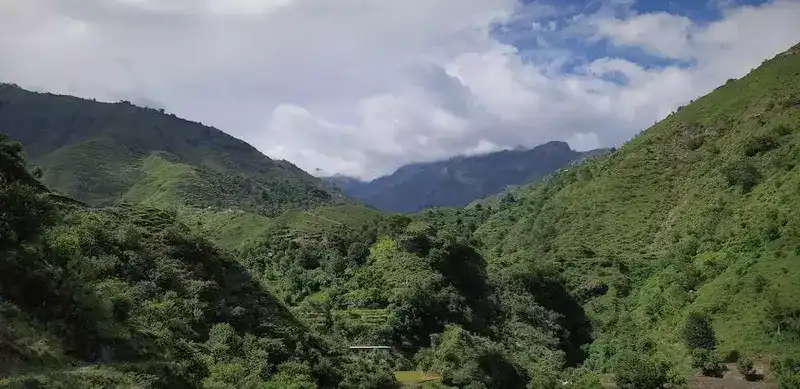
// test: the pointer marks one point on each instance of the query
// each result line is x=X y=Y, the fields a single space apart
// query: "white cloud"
x=361 y=87
x=658 y=33
x=583 y=141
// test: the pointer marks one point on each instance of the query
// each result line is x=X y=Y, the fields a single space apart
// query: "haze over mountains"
x=460 y=180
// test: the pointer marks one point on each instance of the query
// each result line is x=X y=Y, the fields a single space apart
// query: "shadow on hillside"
x=465 y=268
x=552 y=295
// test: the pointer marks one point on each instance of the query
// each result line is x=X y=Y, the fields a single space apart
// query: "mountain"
x=104 y=153
x=129 y=297
x=646 y=267
x=460 y=180
x=697 y=216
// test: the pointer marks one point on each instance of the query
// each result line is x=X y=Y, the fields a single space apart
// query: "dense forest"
x=661 y=264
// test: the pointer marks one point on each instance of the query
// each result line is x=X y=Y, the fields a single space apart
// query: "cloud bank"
x=361 y=87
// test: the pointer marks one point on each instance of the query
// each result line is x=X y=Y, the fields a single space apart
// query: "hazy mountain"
x=459 y=180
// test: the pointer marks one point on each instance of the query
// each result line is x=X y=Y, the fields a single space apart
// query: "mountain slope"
x=457 y=181
x=129 y=297
x=104 y=153
x=699 y=213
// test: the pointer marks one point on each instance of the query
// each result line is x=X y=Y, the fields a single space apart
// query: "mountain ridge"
x=101 y=152
x=459 y=180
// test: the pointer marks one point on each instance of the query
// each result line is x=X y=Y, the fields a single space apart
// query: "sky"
x=361 y=87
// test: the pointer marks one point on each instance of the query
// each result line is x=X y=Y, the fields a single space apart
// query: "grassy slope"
x=661 y=214
x=237 y=230
x=104 y=153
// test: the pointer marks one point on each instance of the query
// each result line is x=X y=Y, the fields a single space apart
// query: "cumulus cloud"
x=361 y=87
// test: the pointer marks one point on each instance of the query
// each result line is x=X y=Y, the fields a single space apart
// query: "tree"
x=698 y=332
x=641 y=371
x=292 y=375
x=357 y=253
x=416 y=238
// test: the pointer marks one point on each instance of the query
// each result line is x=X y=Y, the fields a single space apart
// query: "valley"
x=189 y=259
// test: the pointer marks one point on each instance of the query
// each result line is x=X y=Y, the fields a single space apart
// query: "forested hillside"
x=458 y=181
x=695 y=217
x=105 y=154
x=129 y=297
x=663 y=259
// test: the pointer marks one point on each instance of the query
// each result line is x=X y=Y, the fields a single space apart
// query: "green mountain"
x=697 y=215
x=128 y=297
x=104 y=154
x=647 y=267
x=460 y=180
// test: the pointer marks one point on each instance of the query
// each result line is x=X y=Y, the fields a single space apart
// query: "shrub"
x=746 y=368
x=708 y=362
x=638 y=371
x=788 y=373
x=584 y=380
x=695 y=142
x=698 y=332
x=772 y=233
x=759 y=144
x=742 y=173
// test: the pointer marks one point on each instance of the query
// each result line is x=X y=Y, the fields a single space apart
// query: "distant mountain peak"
x=458 y=180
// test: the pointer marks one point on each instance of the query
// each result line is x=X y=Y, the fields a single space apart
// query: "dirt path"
x=732 y=379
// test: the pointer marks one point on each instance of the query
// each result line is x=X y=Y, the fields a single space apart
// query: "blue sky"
x=362 y=87
x=521 y=32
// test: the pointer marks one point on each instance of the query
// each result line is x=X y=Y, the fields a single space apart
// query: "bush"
x=759 y=144
x=638 y=371
x=742 y=173
x=698 y=332
x=746 y=368
x=788 y=373
x=708 y=362
x=695 y=142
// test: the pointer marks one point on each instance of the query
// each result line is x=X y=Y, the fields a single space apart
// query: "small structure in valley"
x=369 y=348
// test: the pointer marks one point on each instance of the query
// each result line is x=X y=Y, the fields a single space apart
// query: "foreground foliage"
x=129 y=297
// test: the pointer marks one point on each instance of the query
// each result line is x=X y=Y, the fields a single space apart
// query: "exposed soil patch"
x=732 y=379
